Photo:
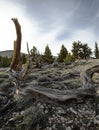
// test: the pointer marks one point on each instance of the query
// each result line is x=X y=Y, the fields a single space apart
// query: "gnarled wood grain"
x=15 y=64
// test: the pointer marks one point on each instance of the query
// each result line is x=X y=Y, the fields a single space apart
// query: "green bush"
x=5 y=61
x=69 y=58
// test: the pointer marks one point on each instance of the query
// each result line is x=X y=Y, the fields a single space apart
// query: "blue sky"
x=52 y=22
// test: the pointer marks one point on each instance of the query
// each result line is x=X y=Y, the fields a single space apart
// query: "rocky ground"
x=27 y=112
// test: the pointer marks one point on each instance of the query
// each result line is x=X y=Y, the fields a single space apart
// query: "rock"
x=73 y=111
x=96 y=121
x=70 y=121
x=60 y=110
x=11 y=120
x=97 y=117
x=68 y=128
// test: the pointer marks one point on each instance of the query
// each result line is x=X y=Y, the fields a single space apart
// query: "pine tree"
x=76 y=49
x=48 y=57
x=62 y=54
x=86 y=51
x=81 y=51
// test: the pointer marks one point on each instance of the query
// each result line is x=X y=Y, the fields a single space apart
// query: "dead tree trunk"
x=15 y=64
x=15 y=67
x=17 y=73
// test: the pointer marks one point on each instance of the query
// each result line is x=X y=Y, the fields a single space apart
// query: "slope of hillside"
x=7 y=53
x=29 y=112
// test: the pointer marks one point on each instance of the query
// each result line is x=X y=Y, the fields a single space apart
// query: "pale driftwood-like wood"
x=57 y=96
x=87 y=77
x=15 y=64
x=28 y=65
x=87 y=90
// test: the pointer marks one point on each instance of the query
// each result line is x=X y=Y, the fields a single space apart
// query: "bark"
x=15 y=64
x=15 y=75
x=28 y=65
x=57 y=96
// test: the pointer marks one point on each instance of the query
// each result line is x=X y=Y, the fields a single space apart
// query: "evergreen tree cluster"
x=81 y=51
x=62 y=54
x=5 y=61
x=78 y=51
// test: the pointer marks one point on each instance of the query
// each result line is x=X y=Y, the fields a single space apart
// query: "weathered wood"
x=17 y=74
x=58 y=96
x=16 y=67
x=87 y=77
x=5 y=102
x=15 y=64
x=28 y=65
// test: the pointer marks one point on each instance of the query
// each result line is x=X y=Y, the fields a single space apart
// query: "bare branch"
x=28 y=65
x=28 y=49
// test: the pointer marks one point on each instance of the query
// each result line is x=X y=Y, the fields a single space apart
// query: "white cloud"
x=31 y=30
x=85 y=36
x=7 y=29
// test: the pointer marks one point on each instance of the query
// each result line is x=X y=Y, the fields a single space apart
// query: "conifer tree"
x=76 y=49
x=81 y=51
x=48 y=57
x=86 y=51
x=62 y=54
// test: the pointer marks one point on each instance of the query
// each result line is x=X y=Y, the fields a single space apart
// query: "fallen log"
x=58 y=96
